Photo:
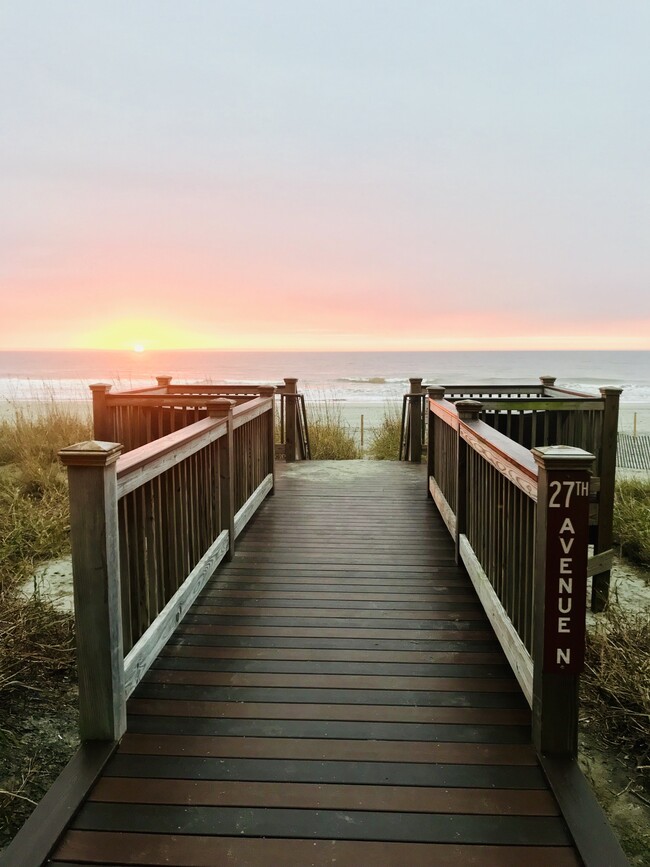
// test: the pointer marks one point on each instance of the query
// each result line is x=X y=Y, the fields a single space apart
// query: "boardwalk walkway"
x=335 y=696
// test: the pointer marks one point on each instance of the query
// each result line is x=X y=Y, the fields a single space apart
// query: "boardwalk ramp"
x=335 y=695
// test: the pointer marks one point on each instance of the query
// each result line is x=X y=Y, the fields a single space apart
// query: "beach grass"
x=35 y=637
x=615 y=692
x=632 y=519
x=385 y=439
x=331 y=437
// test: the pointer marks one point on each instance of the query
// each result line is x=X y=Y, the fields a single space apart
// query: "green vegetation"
x=632 y=519
x=35 y=638
x=384 y=445
x=37 y=662
x=331 y=438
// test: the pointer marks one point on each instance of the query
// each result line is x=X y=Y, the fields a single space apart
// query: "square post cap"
x=220 y=407
x=267 y=390
x=93 y=453
x=163 y=380
x=291 y=383
x=416 y=384
x=610 y=390
x=469 y=410
x=547 y=380
x=562 y=458
x=100 y=387
x=436 y=392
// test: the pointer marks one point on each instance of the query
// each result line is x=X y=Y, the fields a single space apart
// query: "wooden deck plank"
x=206 y=851
x=333 y=696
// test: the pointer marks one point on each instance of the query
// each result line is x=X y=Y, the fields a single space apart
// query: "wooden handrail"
x=148 y=529
x=512 y=513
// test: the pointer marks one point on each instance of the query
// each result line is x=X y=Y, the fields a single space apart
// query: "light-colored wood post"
x=94 y=537
x=415 y=420
x=102 y=427
x=468 y=410
x=164 y=381
x=607 y=471
x=269 y=391
x=560 y=590
x=222 y=408
x=290 y=418
x=434 y=392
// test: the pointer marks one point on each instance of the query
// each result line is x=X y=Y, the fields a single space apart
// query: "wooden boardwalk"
x=335 y=696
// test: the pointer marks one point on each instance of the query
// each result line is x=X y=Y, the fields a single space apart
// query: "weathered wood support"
x=290 y=419
x=96 y=579
x=223 y=409
x=415 y=421
x=468 y=410
x=607 y=471
x=560 y=596
x=434 y=392
x=102 y=427
x=269 y=391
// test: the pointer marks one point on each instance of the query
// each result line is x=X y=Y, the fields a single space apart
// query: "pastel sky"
x=325 y=174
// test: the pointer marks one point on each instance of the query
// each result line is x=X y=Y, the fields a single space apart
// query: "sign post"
x=560 y=595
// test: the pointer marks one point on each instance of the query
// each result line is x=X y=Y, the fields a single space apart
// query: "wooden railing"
x=148 y=529
x=542 y=415
x=520 y=525
x=140 y=416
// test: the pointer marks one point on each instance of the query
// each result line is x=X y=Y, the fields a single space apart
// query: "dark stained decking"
x=335 y=696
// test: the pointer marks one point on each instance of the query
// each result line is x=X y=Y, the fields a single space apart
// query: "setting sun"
x=138 y=347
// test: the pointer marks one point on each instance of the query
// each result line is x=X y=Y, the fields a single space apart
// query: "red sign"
x=566 y=572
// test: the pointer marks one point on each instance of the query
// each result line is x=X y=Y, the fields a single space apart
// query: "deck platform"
x=336 y=695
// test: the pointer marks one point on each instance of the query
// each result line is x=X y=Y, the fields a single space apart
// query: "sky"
x=325 y=174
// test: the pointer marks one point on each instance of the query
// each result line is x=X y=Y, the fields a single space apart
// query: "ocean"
x=356 y=381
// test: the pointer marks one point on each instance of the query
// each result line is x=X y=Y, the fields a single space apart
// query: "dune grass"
x=632 y=519
x=35 y=637
x=331 y=438
x=616 y=685
x=385 y=439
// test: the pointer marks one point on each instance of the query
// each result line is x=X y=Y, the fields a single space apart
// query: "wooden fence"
x=140 y=416
x=535 y=416
x=520 y=523
x=148 y=528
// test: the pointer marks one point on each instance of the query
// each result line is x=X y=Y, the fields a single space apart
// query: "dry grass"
x=616 y=685
x=384 y=445
x=330 y=437
x=35 y=638
x=632 y=519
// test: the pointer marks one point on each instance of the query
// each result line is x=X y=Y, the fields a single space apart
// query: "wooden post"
x=94 y=536
x=222 y=408
x=269 y=391
x=102 y=427
x=547 y=382
x=560 y=589
x=468 y=410
x=164 y=381
x=290 y=418
x=415 y=421
x=607 y=471
x=434 y=392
